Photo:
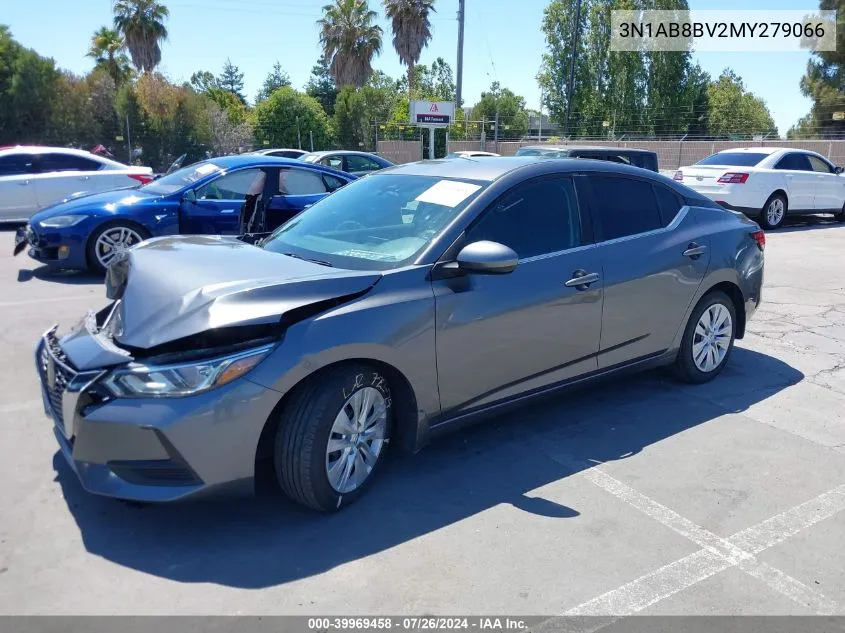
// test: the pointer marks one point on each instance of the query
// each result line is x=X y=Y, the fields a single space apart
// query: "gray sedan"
x=405 y=304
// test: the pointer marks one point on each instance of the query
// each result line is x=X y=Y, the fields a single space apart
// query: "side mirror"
x=839 y=169
x=487 y=258
x=189 y=196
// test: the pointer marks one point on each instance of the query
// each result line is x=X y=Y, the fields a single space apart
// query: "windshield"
x=537 y=151
x=179 y=179
x=310 y=158
x=379 y=222
x=733 y=159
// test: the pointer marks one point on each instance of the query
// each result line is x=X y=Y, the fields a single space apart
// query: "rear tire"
x=332 y=436
x=774 y=212
x=708 y=339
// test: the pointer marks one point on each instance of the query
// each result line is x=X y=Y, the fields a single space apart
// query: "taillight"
x=679 y=176
x=142 y=178
x=760 y=238
x=733 y=178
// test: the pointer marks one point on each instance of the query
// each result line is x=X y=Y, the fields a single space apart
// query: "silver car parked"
x=409 y=302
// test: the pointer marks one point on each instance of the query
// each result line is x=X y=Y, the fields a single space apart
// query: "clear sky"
x=502 y=42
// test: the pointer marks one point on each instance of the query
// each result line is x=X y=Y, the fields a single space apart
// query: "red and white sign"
x=432 y=113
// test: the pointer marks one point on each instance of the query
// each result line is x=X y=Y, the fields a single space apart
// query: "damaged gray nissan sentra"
x=404 y=304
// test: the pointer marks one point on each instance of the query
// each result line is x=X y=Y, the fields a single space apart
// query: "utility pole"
x=459 y=85
x=496 y=132
x=128 y=140
x=572 y=67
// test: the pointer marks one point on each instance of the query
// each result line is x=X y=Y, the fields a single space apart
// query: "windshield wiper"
x=309 y=259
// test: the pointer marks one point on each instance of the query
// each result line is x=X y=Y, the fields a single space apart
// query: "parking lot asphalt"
x=638 y=496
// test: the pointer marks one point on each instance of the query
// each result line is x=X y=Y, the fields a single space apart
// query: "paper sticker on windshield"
x=448 y=193
x=203 y=170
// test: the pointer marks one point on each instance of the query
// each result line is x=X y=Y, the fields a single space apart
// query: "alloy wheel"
x=113 y=242
x=712 y=337
x=356 y=439
x=774 y=212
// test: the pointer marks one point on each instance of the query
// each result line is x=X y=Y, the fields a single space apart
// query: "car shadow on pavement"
x=268 y=541
x=808 y=223
x=71 y=277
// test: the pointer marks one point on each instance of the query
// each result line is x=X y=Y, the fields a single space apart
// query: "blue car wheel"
x=110 y=240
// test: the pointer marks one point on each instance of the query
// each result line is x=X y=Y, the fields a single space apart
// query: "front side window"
x=16 y=164
x=300 y=182
x=379 y=222
x=819 y=165
x=361 y=163
x=233 y=186
x=535 y=218
x=625 y=206
x=335 y=162
x=794 y=162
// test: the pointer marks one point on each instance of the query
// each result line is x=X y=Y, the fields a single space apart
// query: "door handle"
x=694 y=251
x=23 y=183
x=84 y=177
x=581 y=280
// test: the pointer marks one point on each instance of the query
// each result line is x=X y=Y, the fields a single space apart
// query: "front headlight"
x=184 y=379
x=62 y=221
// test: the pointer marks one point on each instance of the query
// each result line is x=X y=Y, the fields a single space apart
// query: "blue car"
x=231 y=195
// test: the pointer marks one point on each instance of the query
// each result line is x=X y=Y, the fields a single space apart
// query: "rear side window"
x=733 y=159
x=669 y=202
x=361 y=163
x=16 y=164
x=301 y=182
x=624 y=206
x=335 y=162
x=332 y=183
x=795 y=162
x=66 y=162
x=534 y=218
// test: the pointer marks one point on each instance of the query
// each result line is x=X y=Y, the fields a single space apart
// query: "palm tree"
x=411 y=30
x=107 y=47
x=141 y=22
x=350 y=40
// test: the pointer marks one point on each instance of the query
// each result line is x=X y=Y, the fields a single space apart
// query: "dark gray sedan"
x=404 y=304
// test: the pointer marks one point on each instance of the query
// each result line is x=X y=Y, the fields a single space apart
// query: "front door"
x=17 y=192
x=654 y=259
x=830 y=186
x=498 y=336
x=800 y=181
x=215 y=207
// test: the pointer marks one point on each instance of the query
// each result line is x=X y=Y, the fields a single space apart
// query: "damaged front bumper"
x=147 y=449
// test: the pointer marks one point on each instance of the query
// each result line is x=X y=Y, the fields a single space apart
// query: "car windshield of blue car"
x=382 y=221
x=181 y=179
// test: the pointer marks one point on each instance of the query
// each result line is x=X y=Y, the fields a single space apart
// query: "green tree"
x=203 y=81
x=359 y=110
x=288 y=117
x=321 y=85
x=276 y=78
x=107 y=49
x=231 y=79
x=350 y=40
x=824 y=83
x=411 y=30
x=141 y=23
x=435 y=82
x=513 y=117
x=734 y=111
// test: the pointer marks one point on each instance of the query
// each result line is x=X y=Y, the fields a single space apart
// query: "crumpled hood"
x=174 y=287
x=86 y=201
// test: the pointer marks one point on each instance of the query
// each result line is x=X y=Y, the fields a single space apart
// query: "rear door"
x=654 y=260
x=17 y=193
x=215 y=207
x=800 y=181
x=498 y=336
x=60 y=175
x=830 y=186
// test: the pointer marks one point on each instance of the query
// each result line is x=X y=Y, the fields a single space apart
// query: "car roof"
x=43 y=149
x=341 y=151
x=280 y=149
x=759 y=150
x=591 y=148
x=490 y=168
x=246 y=160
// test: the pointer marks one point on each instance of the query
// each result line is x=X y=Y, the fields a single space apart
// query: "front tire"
x=708 y=339
x=111 y=239
x=774 y=212
x=332 y=436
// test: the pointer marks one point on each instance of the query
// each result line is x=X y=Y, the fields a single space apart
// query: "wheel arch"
x=734 y=293
x=113 y=221
x=407 y=427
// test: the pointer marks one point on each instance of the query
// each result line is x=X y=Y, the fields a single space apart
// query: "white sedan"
x=32 y=178
x=769 y=183
x=469 y=154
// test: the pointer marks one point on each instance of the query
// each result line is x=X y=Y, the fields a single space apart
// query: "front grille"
x=52 y=354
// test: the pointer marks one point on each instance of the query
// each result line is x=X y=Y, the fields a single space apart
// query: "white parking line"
x=717 y=554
